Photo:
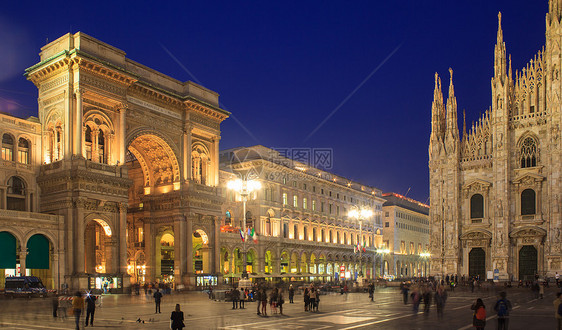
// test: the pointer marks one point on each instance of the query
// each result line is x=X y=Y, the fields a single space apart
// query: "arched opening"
x=528 y=202
x=477 y=263
x=527 y=262
x=528 y=153
x=312 y=268
x=9 y=258
x=269 y=267
x=7 y=147
x=38 y=259
x=294 y=263
x=225 y=261
x=201 y=252
x=238 y=265
x=200 y=164
x=228 y=218
x=23 y=151
x=304 y=263
x=284 y=263
x=165 y=257
x=98 y=247
x=251 y=261
x=15 y=197
x=476 y=206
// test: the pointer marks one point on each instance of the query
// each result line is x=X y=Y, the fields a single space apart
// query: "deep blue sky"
x=281 y=67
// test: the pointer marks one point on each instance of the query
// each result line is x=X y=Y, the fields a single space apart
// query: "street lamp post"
x=244 y=187
x=360 y=214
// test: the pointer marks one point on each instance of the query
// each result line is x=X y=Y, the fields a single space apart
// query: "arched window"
x=528 y=202
x=476 y=206
x=314 y=238
x=344 y=238
x=331 y=237
x=285 y=230
x=305 y=233
x=16 y=194
x=7 y=147
x=88 y=142
x=249 y=219
x=338 y=237
x=228 y=218
x=528 y=153
x=23 y=151
x=200 y=165
x=323 y=236
x=296 y=232
x=268 y=226
x=101 y=147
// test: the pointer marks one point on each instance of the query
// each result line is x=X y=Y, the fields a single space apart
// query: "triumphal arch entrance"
x=130 y=159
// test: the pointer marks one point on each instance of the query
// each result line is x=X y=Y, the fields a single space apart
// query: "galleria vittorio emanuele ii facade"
x=495 y=190
x=118 y=182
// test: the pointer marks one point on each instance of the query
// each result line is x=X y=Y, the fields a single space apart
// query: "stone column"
x=215 y=159
x=189 y=241
x=68 y=102
x=78 y=118
x=122 y=135
x=123 y=238
x=23 y=255
x=180 y=250
x=79 y=256
x=149 y=251
x=217 y=250
x=187 y=142
x=95 y=145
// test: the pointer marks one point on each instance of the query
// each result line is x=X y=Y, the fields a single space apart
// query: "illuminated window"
x=313 y=205
x=295 y=201
x=285 y=201
x=304 y=203
x=200 y=164
x=7 y=147
x=23 y=151
x=16 y=194
x=140 y=235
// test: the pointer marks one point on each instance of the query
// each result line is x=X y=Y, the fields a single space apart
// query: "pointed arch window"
x=200 y=165
x=7 y=147
x=528 y=153
x=528 y=202
x=16 y=194
x=23 y=151
x=476 y=206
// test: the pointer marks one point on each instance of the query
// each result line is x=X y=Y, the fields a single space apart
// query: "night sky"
x=281 y=67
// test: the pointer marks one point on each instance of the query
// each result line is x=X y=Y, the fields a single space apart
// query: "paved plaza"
x=336 y=312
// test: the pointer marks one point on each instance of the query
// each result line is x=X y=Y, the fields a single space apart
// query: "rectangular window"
x=386 y=214
x=322 y=191
x=403 y=247
x=338 y=196
x=7 y=154
x=419 y=248
x=412 y=248
x=314 y=189
x=140 y=235
x=285 y=201
x=387 y=224
x=322 y=207
x=344 y=198
x=304 y=186
x=266 y=194
x=284 y=180
x=337 y=210
x=313 y=205
x=295 y=201
x=23 y=156
x=304 y=203
x=294 y=183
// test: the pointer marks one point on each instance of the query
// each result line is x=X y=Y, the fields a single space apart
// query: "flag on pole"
x=242 y=235
x=254 y=236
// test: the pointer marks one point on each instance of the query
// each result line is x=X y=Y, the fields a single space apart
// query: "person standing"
x=405 y=289
x=157 y=300
x=257 y=297
x=263 y=298
x=177 y=319
x=312 y=299
x=372 y=291
x=558 y=309
x=291 y=293
x=77 y=307
x=306 y=299
x=243 y=297
x=55 y=304
x=235 y=298
x=502 y=308
x=440 y=299
x=426 y=300
x=479 y=316
x=90 y=308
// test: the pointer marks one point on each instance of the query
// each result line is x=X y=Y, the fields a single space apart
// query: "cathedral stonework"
x=495 y=190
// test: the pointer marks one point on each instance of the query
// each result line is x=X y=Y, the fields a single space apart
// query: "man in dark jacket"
x=90 y=308
x=157 y=300
x=235 y=298
x=502 y=307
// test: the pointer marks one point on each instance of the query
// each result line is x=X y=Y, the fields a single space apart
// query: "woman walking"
x=479 y=317
x=280 y=301
x=177 y=319
x=312 y=299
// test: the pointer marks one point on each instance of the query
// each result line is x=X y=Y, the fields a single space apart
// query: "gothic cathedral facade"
x=496 y=190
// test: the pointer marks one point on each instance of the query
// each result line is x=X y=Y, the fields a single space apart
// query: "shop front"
x=105 y=283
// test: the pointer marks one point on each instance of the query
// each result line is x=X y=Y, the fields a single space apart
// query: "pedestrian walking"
x=426 y=300
x=263 y=298
x=90 y=308
x=273 y=301
x=157 y=300
x=77 y=307
x=55 y=305
x=405 y=290
x=558 y=309
x=541 y=290
x=177 y=319
x=502 y=308
x=416 y=298
x=280 y=301
x=440 y=299
x=257 y=297
x=291 y=293
x=372 y=291
x=479 y=315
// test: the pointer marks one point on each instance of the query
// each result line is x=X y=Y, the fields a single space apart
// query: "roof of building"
x=394 y=199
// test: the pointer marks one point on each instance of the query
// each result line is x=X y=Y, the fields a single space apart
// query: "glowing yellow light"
x=147 y=190
x=176 y=185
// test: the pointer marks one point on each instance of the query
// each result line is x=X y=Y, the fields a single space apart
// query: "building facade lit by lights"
x=116 y=181
x=406 y=236
x=300 y=217
x=496 y=190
